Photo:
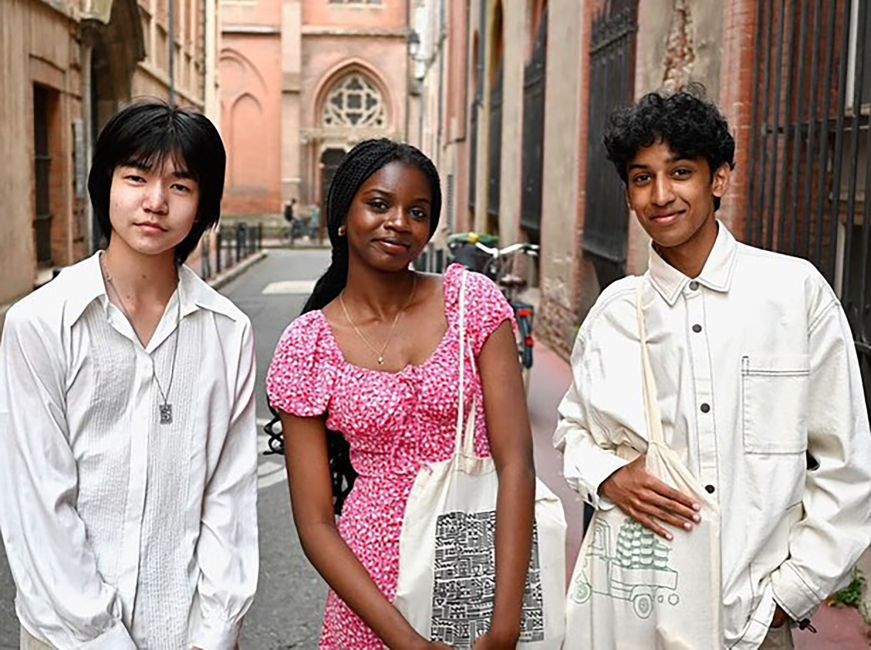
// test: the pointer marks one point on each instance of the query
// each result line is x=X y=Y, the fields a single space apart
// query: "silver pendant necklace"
x=164 y=408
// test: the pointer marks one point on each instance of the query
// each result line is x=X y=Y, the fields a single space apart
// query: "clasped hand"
x=648 y=500
x=484 y=642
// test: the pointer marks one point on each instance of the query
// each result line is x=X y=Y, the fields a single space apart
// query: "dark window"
x=42 y=172
x=533 y=134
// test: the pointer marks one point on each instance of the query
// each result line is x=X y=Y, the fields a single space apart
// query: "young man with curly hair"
x=128 y=447
x=757 y=378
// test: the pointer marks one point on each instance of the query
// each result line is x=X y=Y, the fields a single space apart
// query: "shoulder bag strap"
x=651 y=401
x=465 y=436
x=458 y=442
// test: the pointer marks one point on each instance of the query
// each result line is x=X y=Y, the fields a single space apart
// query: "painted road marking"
x=290 y=287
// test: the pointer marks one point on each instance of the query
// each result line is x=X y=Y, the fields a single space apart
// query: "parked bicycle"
x=500 y=265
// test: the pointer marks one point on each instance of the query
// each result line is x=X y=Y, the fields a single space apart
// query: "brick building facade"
x=302 y=82
x=792 y=78
x=68 y=66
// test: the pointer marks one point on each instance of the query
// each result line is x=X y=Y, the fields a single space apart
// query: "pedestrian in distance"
x=366 y=385
x=748 y=358
x=290 y=217
x=314 y=225
x=128 y=449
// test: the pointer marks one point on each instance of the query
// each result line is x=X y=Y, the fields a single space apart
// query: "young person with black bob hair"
x=757 y=380
x=374 y=357
x=128 y=449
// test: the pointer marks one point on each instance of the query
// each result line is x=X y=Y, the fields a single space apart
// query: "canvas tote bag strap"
x=458 y=442
x=651 y=401
x=465 y=436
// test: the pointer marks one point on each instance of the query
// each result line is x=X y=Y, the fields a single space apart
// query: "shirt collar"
x=87 y=284
x=716 y=274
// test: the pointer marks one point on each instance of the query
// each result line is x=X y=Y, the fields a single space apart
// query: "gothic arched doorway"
x=329 y=162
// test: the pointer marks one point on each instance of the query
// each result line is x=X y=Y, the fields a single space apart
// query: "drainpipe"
x=171 y=30
x=210 y=50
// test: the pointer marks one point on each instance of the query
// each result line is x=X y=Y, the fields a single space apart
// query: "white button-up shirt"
x=755 y=366
x=122 y=532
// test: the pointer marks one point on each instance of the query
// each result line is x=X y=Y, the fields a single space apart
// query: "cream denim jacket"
x=761 y=394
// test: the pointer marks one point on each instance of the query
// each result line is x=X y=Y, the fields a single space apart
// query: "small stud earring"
x=342 y=231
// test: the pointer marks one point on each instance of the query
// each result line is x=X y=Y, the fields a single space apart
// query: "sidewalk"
x=837 y=629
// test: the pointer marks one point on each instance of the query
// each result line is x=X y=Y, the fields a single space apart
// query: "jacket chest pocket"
x=774 y=390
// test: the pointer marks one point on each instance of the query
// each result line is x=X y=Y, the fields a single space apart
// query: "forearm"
x=348 y=578
x=589 y=454
x=514 y=522
x=227 y=548
x=586 y=463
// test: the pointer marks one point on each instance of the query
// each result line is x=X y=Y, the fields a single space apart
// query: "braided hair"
x=359 y=164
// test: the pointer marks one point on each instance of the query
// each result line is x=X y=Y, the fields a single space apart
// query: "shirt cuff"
x=794 y=594
x=216 y=634
x=586 y=469
x=115 y=638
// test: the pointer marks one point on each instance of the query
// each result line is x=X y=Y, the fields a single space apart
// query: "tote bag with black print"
x=447 y=567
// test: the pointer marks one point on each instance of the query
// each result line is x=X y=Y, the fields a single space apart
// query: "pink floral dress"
x=394 y=422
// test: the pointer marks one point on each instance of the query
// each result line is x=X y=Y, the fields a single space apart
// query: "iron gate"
x=533 y=134
x=612 y=72
x=810 y=147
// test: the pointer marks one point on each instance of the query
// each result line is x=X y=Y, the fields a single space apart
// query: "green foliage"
x=851 y=595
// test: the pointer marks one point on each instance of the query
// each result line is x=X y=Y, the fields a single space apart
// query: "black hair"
x=145 y=134
x=685 y=120
x=356 y=167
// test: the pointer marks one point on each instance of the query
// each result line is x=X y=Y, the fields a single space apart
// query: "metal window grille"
x=810 y=146
x=612 y=71
x=533 y=134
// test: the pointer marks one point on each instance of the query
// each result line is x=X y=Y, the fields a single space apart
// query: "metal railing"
x=232 y=245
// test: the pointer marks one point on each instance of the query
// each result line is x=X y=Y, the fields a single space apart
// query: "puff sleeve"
x=487 y=309
x=302 y=371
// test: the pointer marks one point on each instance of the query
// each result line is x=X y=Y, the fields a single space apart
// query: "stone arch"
x=244 y=151
x=247 y=76
x=337 y=76
x=117 y=45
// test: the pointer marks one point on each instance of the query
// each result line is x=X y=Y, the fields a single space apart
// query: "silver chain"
x=165 y=406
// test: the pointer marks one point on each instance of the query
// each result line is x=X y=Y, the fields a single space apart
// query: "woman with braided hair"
x=365 y=383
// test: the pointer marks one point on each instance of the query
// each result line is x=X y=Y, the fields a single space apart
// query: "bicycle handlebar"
x=529 y=249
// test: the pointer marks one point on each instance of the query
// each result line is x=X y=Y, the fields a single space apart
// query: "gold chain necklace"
x=379 y=355
x=164 y=408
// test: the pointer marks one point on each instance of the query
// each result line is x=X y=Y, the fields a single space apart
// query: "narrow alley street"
x=287 y=612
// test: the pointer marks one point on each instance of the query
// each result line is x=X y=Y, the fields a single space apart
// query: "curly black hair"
x=359 y=164
x=685 y=120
